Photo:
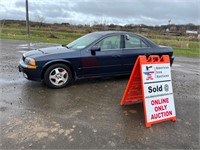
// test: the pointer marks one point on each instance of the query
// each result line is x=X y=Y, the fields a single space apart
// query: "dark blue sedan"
x=96 y=54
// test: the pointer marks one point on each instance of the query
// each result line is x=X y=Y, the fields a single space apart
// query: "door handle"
x=116 y=56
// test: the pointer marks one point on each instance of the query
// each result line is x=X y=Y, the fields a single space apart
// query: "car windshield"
x=83 y=41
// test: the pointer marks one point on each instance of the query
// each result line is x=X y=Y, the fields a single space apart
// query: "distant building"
x=191 y=32
x=198 y=36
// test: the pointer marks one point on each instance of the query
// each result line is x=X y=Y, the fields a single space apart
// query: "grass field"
x=181 y=46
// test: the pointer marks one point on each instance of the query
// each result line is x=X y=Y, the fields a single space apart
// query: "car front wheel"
x=58 y=76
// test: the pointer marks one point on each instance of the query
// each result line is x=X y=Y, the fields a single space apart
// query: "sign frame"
x=135 y=89
x=156 y=60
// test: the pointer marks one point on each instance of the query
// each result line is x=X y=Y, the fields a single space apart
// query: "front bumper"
x=30 y=74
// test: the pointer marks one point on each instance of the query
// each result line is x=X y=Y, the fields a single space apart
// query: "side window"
x=110 y=43
x=134 y=42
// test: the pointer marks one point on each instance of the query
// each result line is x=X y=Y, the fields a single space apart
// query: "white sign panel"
x=158 y=92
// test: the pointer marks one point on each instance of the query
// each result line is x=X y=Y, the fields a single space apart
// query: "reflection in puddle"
x=21 y=51
x=28 y=45
x=32 y=46
x=25 y=47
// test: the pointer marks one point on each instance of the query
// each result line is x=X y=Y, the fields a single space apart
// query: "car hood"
x=49 y=50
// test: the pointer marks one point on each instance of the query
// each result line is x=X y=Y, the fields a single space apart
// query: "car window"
x=83 y=41
x=110 y=43
x=134 y=42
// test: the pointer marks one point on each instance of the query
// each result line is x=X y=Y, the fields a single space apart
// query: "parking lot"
x=87 y=114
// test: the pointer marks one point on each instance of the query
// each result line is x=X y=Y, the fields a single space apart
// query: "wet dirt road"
x=87 y=114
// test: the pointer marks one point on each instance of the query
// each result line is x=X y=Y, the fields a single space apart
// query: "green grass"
x=39 y=36
x=38 y=33
x=187 y=52
x=177 y=43
x=181 y=47
x=36 y=39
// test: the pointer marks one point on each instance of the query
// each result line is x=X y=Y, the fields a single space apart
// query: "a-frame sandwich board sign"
x=151 y=83
x=133 y=91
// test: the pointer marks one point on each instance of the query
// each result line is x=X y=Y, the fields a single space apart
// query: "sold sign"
x=158 y=92
x=150 y=82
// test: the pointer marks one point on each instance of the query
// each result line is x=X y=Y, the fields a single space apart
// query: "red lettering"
x=156 y=108
x=160 y=101
x=152 y=102
x=161 y=115
x=160 y=108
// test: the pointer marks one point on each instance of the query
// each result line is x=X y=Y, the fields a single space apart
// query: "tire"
x=57 y=76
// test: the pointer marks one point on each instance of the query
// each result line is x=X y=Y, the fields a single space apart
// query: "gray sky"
x=149 y=12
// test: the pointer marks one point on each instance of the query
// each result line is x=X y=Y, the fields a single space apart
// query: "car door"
x=133 y=47
x=105 y=62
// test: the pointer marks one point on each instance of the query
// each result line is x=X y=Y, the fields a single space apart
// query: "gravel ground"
x=87 y=114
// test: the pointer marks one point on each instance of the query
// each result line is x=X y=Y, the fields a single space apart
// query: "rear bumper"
x=171 y=60
x=30 y=74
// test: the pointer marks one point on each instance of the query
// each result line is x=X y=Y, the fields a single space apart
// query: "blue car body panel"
x=86 y=65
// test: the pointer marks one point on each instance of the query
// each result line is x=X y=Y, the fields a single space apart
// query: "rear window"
x=134 y=42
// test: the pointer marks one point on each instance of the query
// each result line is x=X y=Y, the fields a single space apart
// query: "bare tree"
x=40 y=19
x=2 y=24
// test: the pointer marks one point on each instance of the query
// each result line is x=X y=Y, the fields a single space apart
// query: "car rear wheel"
x=57 y=76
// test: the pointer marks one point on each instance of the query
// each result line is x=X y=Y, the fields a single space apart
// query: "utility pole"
x=27 y=21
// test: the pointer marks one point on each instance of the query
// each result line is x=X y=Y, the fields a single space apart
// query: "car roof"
x=111 y=32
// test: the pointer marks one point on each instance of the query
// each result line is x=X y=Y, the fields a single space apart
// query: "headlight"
x=30 y=61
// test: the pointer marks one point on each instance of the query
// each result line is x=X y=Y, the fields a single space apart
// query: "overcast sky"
x=150 y=12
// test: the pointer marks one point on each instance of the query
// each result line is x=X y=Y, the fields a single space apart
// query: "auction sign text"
x=158 y=93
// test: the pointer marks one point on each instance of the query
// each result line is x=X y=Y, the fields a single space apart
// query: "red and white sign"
x=150 y=82
x=158 y=92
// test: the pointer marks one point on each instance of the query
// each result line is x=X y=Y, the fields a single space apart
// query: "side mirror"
x=127 y=37
x=94 y=49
